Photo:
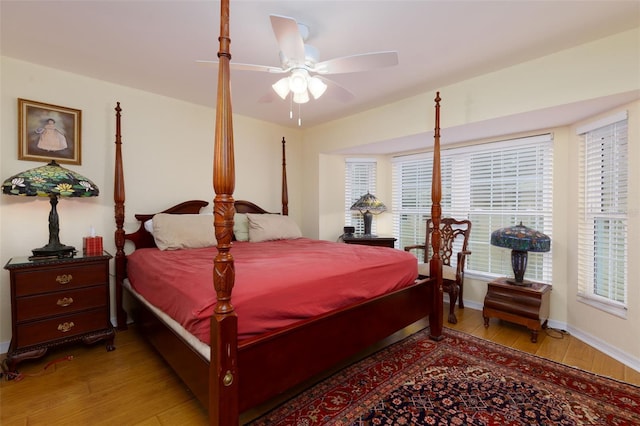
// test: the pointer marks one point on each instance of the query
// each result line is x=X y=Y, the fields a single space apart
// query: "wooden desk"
x=524 y=305
x=370 y=240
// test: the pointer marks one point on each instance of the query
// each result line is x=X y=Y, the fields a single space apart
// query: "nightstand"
x=524 y=305
x=58 y=301
x=369 y=240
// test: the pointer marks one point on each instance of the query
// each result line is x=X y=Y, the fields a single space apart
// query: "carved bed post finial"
x=285 y=193
x=118 y=198
x=223 y=368
x=435 y=264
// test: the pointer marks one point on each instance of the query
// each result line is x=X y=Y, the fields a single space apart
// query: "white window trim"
x=612 y=307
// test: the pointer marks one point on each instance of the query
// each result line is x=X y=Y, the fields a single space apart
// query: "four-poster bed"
x=238 y=371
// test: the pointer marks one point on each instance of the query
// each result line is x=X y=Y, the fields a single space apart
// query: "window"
x=602 y=225
x=360 y=178
x=494 y=185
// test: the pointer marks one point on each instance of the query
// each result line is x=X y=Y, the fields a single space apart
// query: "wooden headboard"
x=141 y=238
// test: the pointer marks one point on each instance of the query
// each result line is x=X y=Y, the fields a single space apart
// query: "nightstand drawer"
x=63 y=278
x=39 y=332
x=60 y=303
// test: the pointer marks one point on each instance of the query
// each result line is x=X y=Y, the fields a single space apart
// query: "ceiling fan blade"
x=357 y=63
x=248 y=67
x=337 y=91
x=289 y=38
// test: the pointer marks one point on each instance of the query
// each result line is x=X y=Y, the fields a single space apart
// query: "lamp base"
x=54 y=251
x=523 y=283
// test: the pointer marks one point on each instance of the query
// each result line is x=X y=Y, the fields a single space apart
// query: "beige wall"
x=169 y=143
x=168 y=157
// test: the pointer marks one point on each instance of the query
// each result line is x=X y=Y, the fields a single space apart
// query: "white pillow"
x=148 y=225
x=182 y=231
x=265 y=227
x=241 y=227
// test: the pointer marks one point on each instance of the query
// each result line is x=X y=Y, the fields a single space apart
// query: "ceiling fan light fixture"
x=281 y=87
x=298 y=81
x=317 y=87
x=301 y=98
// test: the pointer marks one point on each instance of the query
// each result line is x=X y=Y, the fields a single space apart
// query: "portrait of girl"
x=48 y=132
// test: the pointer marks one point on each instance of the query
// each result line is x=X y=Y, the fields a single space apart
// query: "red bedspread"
x=277 y=282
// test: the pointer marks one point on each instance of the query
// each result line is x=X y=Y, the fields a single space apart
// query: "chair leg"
x=453 y=296
x=460 y=302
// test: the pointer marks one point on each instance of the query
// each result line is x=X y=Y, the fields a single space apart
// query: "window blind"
x=360 y=178
x=603 y=209
x=494 y=185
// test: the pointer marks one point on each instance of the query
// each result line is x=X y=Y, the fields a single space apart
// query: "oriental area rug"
x=461 y=380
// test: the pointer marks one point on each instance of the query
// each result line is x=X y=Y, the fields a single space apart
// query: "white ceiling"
x=153 y=45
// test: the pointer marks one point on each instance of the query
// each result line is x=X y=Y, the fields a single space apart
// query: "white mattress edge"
x=201 y=347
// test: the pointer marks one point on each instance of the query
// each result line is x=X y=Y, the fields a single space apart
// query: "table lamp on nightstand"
x=520 y=240
x=51 y=181
x=368 y=205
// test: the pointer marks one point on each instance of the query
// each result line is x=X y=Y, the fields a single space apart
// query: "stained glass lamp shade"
x=368 y=205
x=521 y=240
x=53 y=181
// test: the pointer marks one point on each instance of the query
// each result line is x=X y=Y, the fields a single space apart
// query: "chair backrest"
x=451 y=230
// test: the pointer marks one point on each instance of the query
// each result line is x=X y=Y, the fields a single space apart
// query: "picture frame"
x=49 y=132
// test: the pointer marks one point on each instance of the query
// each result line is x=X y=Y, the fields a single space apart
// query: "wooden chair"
x=452 y=279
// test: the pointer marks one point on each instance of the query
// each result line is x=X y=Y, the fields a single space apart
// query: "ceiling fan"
x=305 y=71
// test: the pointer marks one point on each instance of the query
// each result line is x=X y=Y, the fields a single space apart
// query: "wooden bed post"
x=435 y=264
x=223 y=368
x=118 y=198
x=285 y=193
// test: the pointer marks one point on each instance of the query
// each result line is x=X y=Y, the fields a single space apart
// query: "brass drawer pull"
x=65 y=301
x=64 y=278
x=64 y=327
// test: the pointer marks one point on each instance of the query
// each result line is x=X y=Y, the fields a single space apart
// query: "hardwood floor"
x=552 y=344
x=132 y=386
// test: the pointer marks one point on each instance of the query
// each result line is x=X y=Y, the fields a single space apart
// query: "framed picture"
x=48 y=132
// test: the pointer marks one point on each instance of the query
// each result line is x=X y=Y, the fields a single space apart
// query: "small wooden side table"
x=58 y=301
x=370 y=240
x=525 y=305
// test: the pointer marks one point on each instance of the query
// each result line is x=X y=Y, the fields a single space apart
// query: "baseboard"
x=604 y=347
x=615 y=353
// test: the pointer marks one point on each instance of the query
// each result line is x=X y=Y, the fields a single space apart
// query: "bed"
x=239 y=367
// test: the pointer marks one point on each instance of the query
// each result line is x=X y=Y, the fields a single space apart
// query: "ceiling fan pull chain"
x=291 y=108
x=299 y=115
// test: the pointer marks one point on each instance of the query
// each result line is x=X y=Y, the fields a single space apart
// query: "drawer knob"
x=227 y=380
x=66 y=326
x=64 y=278
x=65 y=301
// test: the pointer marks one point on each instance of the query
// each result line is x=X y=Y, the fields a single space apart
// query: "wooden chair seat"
x=448 y=272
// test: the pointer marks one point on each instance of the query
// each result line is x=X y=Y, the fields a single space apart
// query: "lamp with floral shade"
x=53 y=181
